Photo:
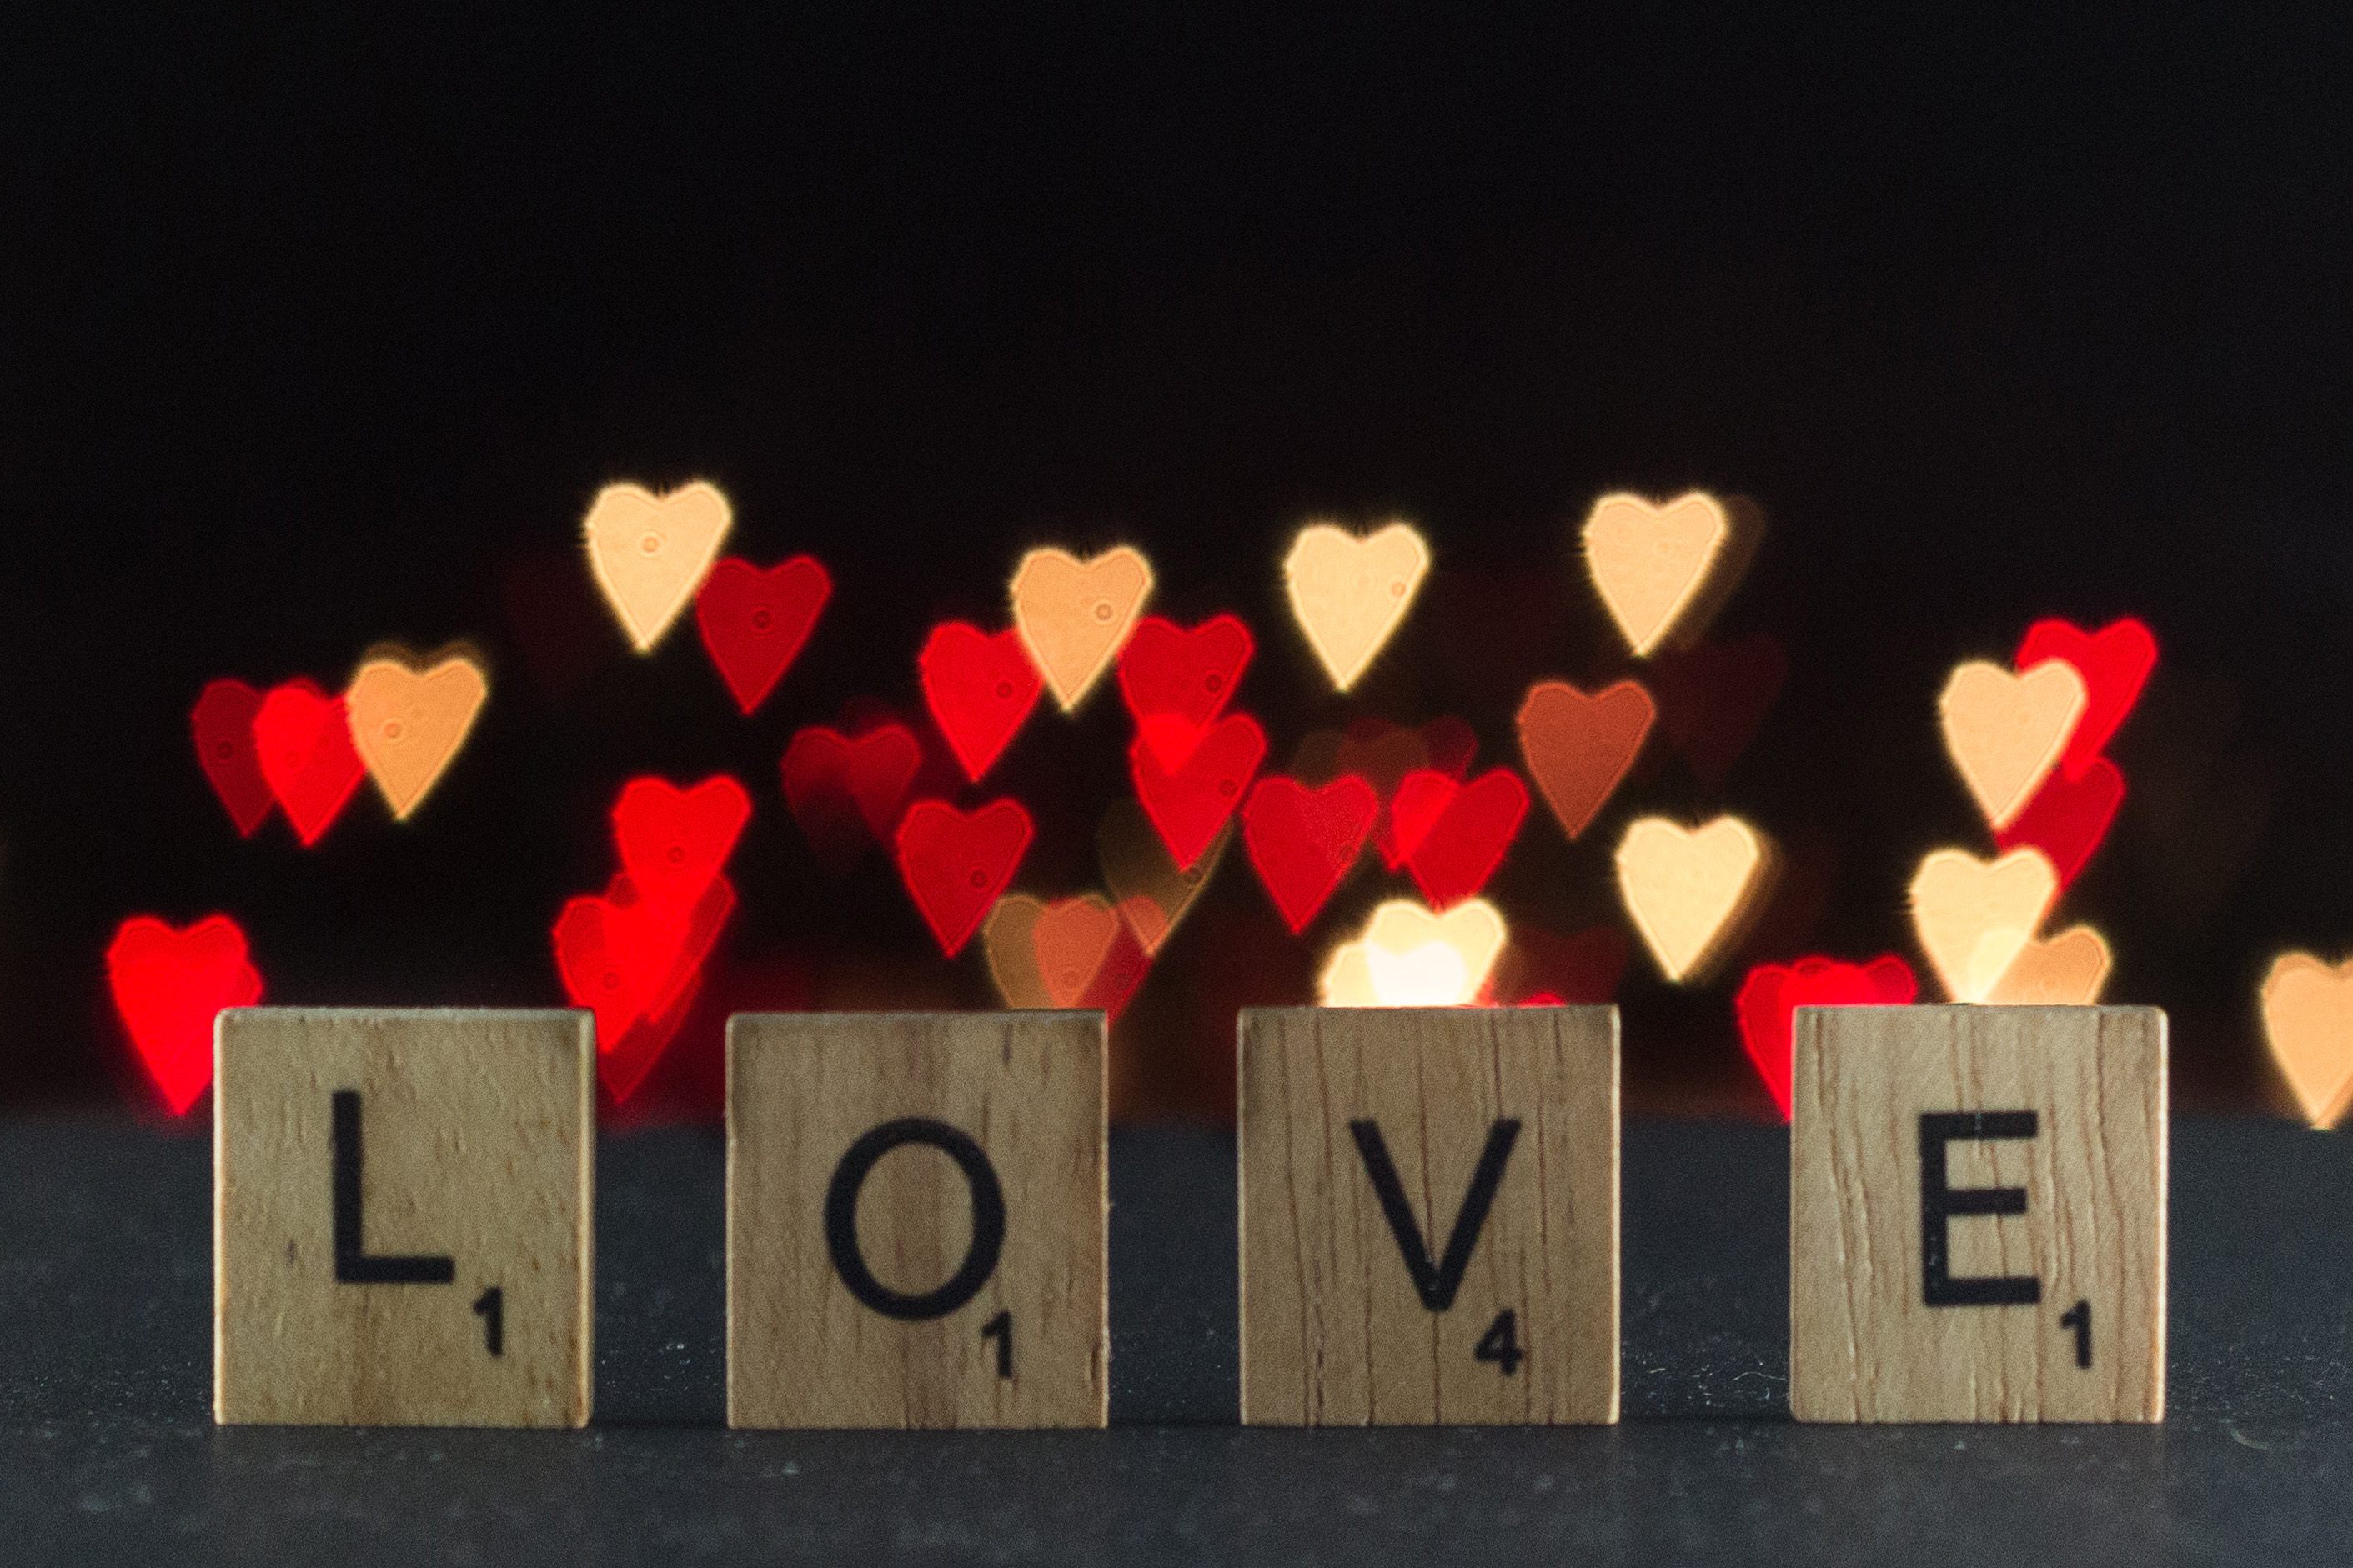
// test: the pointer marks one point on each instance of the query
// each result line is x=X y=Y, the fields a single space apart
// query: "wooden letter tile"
x=1977 y=1215
x=402 y=1216
x=1429 y=1215
x=916 y=1220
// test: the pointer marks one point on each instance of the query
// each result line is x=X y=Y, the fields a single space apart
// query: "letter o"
x=988 y=1219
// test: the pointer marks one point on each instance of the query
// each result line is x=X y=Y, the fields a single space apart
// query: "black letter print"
x=1435 y=1284
x=988 y=1220
x=353 y=1265
x=1939 y=1203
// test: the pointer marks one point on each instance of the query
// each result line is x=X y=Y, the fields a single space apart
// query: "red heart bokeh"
x=303 y=737
x=1770 y=996
x=2068 y=817
x=2115 y=663
x=673 y=841
x=756 y=622
x=955 y=864
x=1580 y=747
x=846 y=793
x=1301 y=841
x=1166 y=672
x=1188 y=804
x=1453 y=836
x=168 y=985
x=979 y=689
x=636 y=965
x=222 y=721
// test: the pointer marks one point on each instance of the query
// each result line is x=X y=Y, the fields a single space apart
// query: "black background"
x=322 y=329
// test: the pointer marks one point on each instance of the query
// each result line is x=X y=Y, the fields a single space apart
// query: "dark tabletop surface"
x=108 y=1452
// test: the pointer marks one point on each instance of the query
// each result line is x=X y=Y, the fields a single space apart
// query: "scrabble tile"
x=402 y=1206
x=916 y=1220
x=1977 y=1215
x=1429 y=1215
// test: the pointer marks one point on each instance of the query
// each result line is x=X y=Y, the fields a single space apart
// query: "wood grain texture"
x=1026 y=1088
x=1865 y=1343
x=1333 y=1328
x=477 y=1145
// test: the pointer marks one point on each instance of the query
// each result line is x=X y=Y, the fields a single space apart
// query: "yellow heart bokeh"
x=2006 y=731
x=2067 y=971
x=650 y=553
x=1690 y=891
x=1074 y=616
x=2308 y=1019
x=1350 y=594
x=1409 y=957
x=1650 y=564
x=407 y=721
x=1974 y=917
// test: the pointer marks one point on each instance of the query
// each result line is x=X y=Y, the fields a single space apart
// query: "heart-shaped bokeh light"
x=979 y=689
x=1350 y=594
x=1770 y=998
x=754 y=623
x=168 y=985
x=650 y=553
x=1690 y=892
x=1652 y=565
x=303 y=737
x=1074 y=616
x=2307 y=1007
x=1579 y=747
x=955 y=864
x=222 y=723
x=1411 y=957
x=2006 y=731
x=1973 y=917
x=408 y=719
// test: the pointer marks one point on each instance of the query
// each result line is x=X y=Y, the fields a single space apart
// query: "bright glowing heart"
x=1073 y=615
x=1166 y=673
x=407 y=723
x=1301 y=841
x=1713 y=699
x=1973 y=916
x=1687 y=889
x=650 y=552
x=168 y=985
x=636 y=965
x=1770 y=998
x=1456 y=833
x=1409 y=957
x=2308 y=1019
x=979 y=688
x=2006 y=731
x=955 y=864
x=1153 y=892
x=756 y=622
x=1190 y=804
x=305 y=741
x=1578 y=748
x=2068 y=817
x=2065 y=972
x=1651 y=562
x=2115 y=663
x=222 y=721
x=1350 y=594
x=673 y=841
x=846 y=793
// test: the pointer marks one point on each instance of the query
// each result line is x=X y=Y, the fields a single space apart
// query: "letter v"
x=1435 y=1284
